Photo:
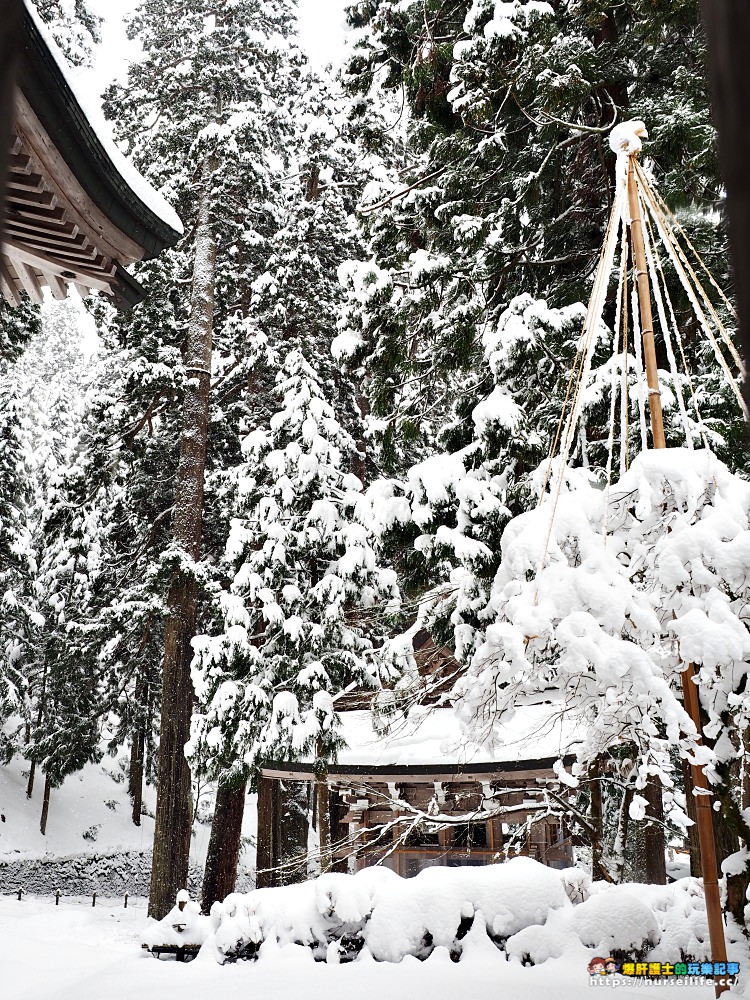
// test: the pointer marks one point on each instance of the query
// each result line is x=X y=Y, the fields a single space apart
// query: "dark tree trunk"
x=656 y=867
x=313 y=183
x=730 y=829
x=30 y=783
x=39 y=717
x=135 y=776
x=623 y=829
x=223 y=855
x=45 y=806
x=137 y=752
x=265 y=862
x=173 y=809
x=598 y=871
x=727 y=25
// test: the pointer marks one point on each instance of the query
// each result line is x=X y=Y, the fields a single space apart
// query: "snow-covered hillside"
x=90 y=817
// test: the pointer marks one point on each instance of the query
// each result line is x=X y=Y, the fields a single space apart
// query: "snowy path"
x=75 y=952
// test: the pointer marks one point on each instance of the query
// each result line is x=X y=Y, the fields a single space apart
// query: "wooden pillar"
x=266 y=847
x=324 y=809
x=704 y=822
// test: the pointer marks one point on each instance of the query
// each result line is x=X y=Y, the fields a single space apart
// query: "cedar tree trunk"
x=656 y=866
x=45 y=806
x=173 y=809
x=137 y=755
x=598 y=870
x=727 y=24
x=224 y=844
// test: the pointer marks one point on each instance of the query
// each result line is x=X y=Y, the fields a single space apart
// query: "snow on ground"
x=75 y=952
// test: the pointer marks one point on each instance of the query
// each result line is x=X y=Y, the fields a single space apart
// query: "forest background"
x=395 y=262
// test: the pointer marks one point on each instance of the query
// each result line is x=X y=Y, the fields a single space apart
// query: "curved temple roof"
x=76 y=211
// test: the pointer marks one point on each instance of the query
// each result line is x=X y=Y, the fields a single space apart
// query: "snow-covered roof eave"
x=114 y=183
x=431 y=739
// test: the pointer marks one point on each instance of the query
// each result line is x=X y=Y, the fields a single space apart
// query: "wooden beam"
x=25 y=197
x=43 y=226
x=8 y=285
x=31 y=212
x=405 y=774
x=62 y=247
x=25 y=182
x=266 y=848
x=56 y=285
x=49 y=265
x=19 y=161
x=31 y=284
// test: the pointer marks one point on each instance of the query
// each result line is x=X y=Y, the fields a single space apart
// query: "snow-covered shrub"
x=183 y=925
x=389 y=916
x=520 y=907
x=680 y=913
x=540 y=942
x=616 y=921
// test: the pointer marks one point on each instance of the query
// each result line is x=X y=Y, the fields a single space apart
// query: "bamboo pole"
x=644 y=301
x=690 y=691
x=704 y=822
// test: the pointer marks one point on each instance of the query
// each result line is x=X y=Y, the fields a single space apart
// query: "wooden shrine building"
x=75 y=211
x=381 y=783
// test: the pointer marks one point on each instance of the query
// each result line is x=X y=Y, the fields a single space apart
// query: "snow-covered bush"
x=616 y=921
x=520 y=907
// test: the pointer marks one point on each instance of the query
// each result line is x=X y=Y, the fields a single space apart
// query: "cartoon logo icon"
x=598 y=967
x=611 y=966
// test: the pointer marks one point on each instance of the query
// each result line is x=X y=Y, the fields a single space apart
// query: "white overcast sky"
x=321 y=35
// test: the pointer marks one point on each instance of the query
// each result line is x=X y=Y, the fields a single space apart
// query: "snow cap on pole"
x=625 y=138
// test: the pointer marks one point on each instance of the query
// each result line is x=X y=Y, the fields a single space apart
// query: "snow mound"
x=616 y=920
x=519 y=907
x=183 y=925
x=389 y=918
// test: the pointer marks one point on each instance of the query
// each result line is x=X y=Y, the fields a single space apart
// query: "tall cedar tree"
x=212 y=129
